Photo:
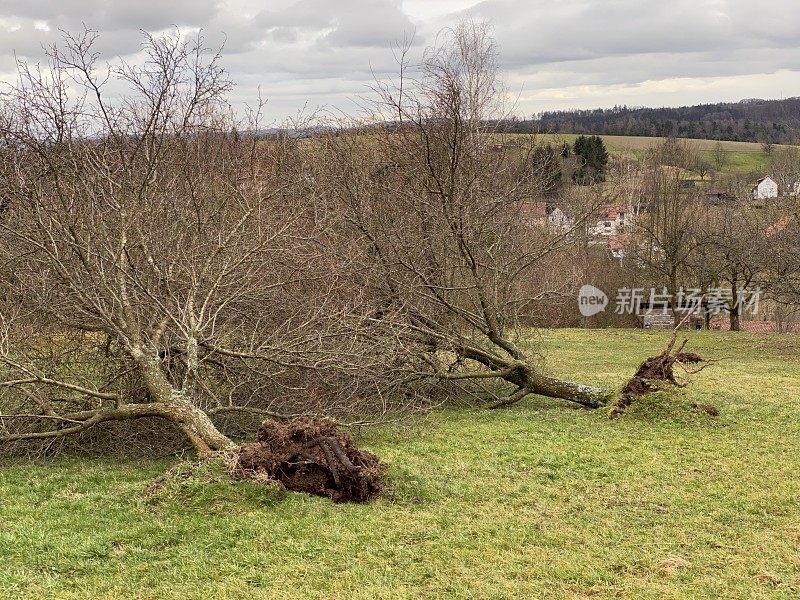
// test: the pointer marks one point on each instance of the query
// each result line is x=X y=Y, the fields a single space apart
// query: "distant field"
x=539 y=501
x=740 y=157
x=625 y=142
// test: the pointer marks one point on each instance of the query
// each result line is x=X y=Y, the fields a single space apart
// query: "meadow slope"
x=538 y=501
x=739 y=157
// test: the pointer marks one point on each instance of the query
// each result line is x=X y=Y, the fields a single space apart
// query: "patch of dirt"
x=709 y=409
x=312 y=456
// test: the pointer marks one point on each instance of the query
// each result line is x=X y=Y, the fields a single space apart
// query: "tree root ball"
x=312 y=456
x=658 y=370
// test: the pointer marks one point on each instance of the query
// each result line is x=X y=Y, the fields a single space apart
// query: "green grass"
x=740 y=157
x=538 y=501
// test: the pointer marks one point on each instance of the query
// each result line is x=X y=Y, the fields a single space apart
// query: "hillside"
x=773 y=121
x=735 y=157
x=539 y=501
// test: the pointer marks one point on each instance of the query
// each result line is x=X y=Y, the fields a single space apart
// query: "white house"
x=613 y=220
x=765 y=188
x=538 y=212
x=796 y=189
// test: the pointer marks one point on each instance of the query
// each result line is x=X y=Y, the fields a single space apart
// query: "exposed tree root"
x=312 y=456
x=659 y=370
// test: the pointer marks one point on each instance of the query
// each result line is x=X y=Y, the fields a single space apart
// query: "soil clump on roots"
x=312 y=456
x=659 y=370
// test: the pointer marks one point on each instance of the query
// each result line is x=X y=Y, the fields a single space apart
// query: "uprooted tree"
x=158 y=261
x=659 y=371
x=442 y=213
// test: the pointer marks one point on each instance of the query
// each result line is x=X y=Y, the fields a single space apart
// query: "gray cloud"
x=537 y=33
x=559 y=54
x=112 y=16
x=351 y=23
x=36 y=23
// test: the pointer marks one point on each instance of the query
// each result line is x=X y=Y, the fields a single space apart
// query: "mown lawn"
x=538 y=501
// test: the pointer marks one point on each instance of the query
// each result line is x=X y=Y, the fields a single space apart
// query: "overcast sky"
x=555 y=54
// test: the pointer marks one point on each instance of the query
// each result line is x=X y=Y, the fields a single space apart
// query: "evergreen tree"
x=546 y=161
x=592 y=160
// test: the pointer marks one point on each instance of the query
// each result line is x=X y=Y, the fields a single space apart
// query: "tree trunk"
x=673 y=289
x=198 y=428
x=528 y=381
x=589 y=396
x=193 y=422
x=531 y=382
x=734 y=310
x=735 y=325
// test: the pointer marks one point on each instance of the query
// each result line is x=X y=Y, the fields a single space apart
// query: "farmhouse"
x=613 y=220
x=533 y=212
x=617 y=246
x=765 y=188
x=558 y=218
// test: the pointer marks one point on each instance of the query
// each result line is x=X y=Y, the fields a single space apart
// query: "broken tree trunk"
x=586 y=395
x=528 y=380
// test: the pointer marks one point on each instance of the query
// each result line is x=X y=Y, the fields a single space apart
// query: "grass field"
x=740 y=157
x=538 y=501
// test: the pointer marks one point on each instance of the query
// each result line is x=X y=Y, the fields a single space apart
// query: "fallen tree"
x=159 y=264
x=155 y=262
x=442 y=215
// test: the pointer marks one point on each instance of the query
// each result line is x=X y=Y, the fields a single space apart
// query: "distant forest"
x=764 y=121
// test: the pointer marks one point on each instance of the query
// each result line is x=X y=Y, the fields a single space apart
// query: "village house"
x=560 y=219
x=764 y=189
x=610 y=230
x=533 y=212
x=539 y=212
x=613 y=221
x=617 y=246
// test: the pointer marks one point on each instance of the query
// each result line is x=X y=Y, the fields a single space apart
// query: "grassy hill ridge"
x=739 y=157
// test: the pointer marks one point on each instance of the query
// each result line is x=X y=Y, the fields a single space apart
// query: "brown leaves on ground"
x=312 y=456
x=672 y=563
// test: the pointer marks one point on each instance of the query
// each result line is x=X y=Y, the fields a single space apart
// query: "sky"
x=308 y=54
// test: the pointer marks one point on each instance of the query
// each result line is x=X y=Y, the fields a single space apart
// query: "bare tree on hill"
x=665 y=233
x=156 y=262
x=440 y=211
